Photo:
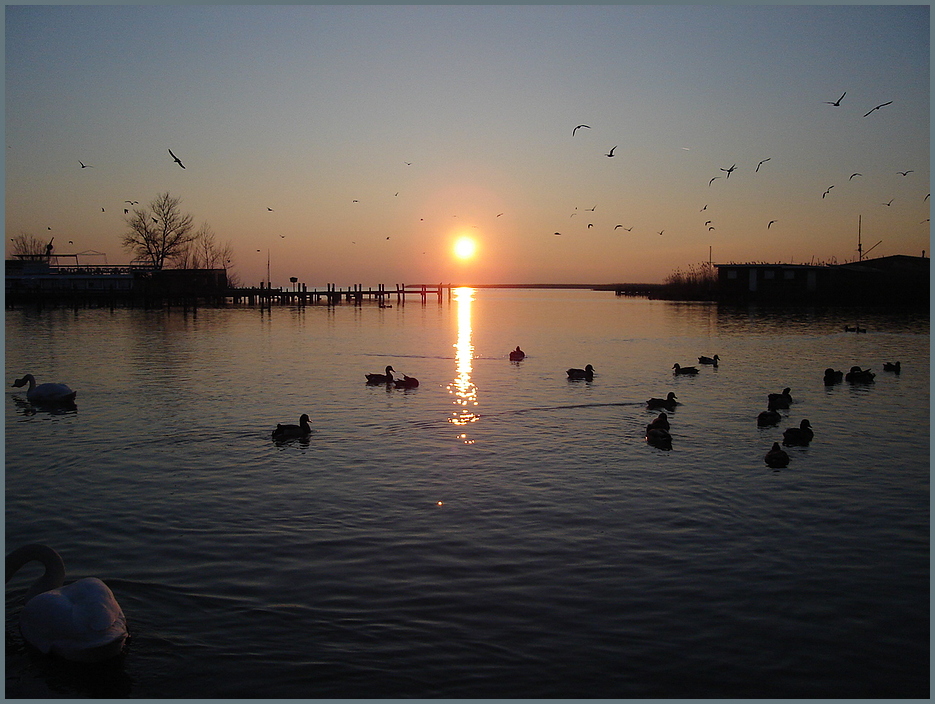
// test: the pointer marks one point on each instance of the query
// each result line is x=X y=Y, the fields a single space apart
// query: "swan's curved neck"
x=30 y=379
x=54 y=575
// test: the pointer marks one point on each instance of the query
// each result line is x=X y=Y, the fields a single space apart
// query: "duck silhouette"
x=708 y=360
x=659 y=438
x=386 y=378
x=894 y=367
x=776 y=457
x=661 y=421
x=782 y=400
x=586 y=373
x=669 y=402
x=684 y=370
x=798 y=436
x=768 y=417
x=407 y=382
x=832 y=376
x=517 y=355
x=81 y=621
x=286 y=431
x=860 y=376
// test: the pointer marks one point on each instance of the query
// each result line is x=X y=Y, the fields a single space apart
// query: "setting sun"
x=465 y=248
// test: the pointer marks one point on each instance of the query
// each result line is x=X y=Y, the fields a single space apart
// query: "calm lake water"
x=499 y=531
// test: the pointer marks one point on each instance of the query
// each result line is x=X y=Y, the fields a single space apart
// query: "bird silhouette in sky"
x=772 y=221
x=591 y=209
x=710 y=182
x=827 y=192
x=905 y=173
x=176 y=159
x=616 y=226
x=408 y=163
x=890 y=203
x=103 y=211
x=926 y=197
x=126 y=212
x=590 y=225
x=269 y=209
x=836 y=103
x=853 y=175
x=559 y=234
x=709 y=229
x=730 y=170
x=499 y=214
x=131 y=202
x=705 y=205
x=661 y=231
x=881 y=105
x=761 y=163
x=611 y=152
x=578 y=128
x=85 y=166
x=707 y=222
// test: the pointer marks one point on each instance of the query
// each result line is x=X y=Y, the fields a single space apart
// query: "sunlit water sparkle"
x=499 y=531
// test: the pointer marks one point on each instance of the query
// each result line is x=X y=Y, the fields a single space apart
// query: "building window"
x=789 y=274
x=769 y=274
x=731 y=273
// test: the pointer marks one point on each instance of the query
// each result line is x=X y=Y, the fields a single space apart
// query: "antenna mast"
x=860 y=253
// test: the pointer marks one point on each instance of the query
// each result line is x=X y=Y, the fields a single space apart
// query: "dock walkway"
x=332 y=295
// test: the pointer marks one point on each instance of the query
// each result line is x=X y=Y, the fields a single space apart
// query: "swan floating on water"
x=284 y=431
x=45 y=393
x=669 y=402
x=81 y=621
x=517 y=355
x=684 y=370
x=798 y=436
x=386 y=378
x=776 y=457
x=586 y=373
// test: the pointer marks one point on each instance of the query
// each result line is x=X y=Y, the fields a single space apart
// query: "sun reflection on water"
x=462 y=388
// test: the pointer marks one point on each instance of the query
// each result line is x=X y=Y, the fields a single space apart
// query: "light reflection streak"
x=462 y=388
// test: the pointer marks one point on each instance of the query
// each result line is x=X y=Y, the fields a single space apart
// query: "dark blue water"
x=497 y=532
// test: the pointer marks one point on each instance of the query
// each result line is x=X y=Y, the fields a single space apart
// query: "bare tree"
x=204 y=252
x=25 y=243
x=159 y=232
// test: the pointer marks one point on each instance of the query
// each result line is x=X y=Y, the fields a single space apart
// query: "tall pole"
x=860 y=252
x=268 y=283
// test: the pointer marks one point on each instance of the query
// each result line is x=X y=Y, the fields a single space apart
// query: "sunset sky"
x=380 y=135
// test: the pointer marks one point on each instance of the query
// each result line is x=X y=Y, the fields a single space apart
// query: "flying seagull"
x=176 y=159
x=578 y=128
x=592 y=209
x=710 y=182
x=827 y=192
x=854 y=174
x=772 y=221
x=881 y=105
x=85 y=166
x=705 y=205
x=131 y=202
x=590 y=225
x=926 y=197
x=499 y=214
x=269 y=209
x=729 y=170
x=905 y=173
x=611 y=152
x=711 y=228
x=836 y=103
x=707 y=222
x=661 y=231
x=890 y=203
x=761 y=163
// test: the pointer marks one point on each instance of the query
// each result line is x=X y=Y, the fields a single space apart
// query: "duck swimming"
x=517 y=355
x=776 y=457
x=684 y=370
x=858 y=375
x=768 y=417
x=832 y=376
x=783 y=400
x=407 y=382
x=45 y=393
x=287 y=431
x=81 y=621
x=798 y=436
x=887 y=367
x=386 y=378
x=659 y=438
x=669 y=402
x=708 y=360
x=586 y=373
x=661 y=421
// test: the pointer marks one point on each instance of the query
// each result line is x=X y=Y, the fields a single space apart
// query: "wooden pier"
x=301 y=295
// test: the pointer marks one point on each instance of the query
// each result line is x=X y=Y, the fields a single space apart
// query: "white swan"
x=81 y=621
x=45 y=393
